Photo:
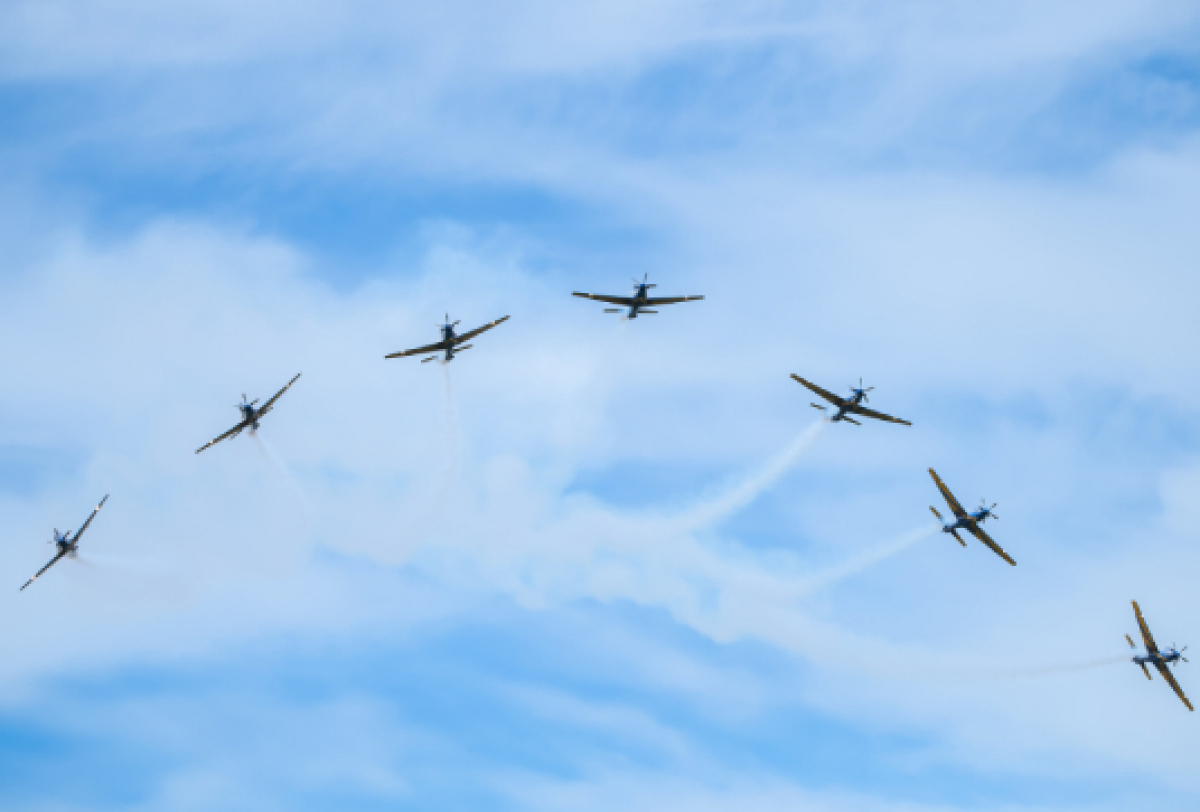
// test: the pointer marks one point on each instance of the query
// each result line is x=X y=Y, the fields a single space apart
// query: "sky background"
x=597 y=564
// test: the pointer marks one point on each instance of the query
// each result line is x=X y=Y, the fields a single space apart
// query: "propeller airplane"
x=967 y=521
x=849 y=406
x=66 y=545
x=250 y=416
x=450 y=344
x=639 y=301
x=1155 y=657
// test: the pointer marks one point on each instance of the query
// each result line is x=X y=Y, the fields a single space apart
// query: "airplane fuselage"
x=966 y=522
x=843 y=410
x=249 y=416
x=448 y=336
x=1161 y=657
x=640 y=294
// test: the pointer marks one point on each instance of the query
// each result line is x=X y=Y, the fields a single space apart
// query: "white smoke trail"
x=269 y=452
x=952 y=672
x=729 y=503
x=1042 y=670
x=430 y=508
x=869 y=558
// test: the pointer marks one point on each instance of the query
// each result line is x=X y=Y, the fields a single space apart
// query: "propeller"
x=983 y=506
x=448 y=323
x=860 y=388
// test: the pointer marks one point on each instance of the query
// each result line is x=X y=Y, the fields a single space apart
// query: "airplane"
x=66 y=544
x=1159 y=659
x=850 y=405
x=639 y=301
x=250 y=416
x=450 y=342
x=967 y=521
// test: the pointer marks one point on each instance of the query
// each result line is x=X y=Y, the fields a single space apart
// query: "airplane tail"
x=1130 y=639
x=958 y=537
x=613 y=310
x=463 y=348
x=427 y=360
x=935 y=513
x=1146 y=670
x=647 y=311
x=851 y=420
x=815 y=406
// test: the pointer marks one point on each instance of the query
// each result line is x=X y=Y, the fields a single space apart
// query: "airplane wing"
x=949 y=497
x=89 y=519
x=1151 y=646
x=1170 y=678
x=978 y=533
x=865 y=412
x=673 y=300
x=231 y=433
x=53 y=561
x=625 y=301
x=468 y=336
x=829 y=396
x=270 y=403
x=441 y=345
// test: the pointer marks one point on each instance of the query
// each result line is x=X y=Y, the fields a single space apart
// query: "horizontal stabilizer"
x=646 y=311
x=1147 y=670
x=463 y=348
x=957 y=536
x=1130 y=639
x=427 y=360
x=851 y=420
x=613 y=310
x=935 y=513
x=815 y=406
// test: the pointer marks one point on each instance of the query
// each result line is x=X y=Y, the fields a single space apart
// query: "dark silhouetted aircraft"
x=450 y=343
x=66 y=544
x=250 y=416
x=639 y=301
x=848 y=406
x=967 y=521
x=1156 y=658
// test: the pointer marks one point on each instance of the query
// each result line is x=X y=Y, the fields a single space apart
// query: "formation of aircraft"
x=848 y=406
x=1155 y=657
x=639 y=301
x=65 y=544
x=450 y=344
x=250 y=416
x=967 y=521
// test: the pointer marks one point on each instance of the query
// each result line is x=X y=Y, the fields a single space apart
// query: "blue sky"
x=485 y=586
